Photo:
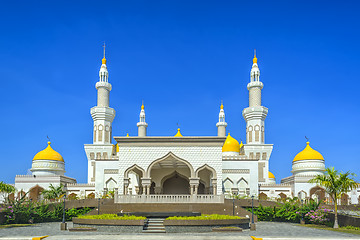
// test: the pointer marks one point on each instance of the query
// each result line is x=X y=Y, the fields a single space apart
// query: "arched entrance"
x=35 y=193
x=263 y=196
x=132 y=180
x=317 y=193
x=344 y=199
x=176 y=184
x=207 y=180
x=170 y=175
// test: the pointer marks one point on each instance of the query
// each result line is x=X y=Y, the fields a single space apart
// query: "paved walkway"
x=265 y=230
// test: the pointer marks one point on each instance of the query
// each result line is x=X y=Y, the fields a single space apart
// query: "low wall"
x=173 y=226
x=107 y=225
x=344 y=220
x=2 y=217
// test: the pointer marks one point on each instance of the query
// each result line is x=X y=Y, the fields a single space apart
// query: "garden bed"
x=111 y=224
x=206 y=225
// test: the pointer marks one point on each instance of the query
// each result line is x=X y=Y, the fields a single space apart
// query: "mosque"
x=179 y=168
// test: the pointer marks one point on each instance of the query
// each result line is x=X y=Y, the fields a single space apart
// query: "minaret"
x=102 y=114
x=142 y=125
x=221 y=125
x=255 y=114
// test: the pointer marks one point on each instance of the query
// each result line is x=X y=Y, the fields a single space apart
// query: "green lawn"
x=349 y=229
x=14 y=225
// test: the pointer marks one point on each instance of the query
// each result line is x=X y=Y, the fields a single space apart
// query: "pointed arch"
x=169 y=156
x=110 y=183
x=207 y=167
x=242 y=179
x=135 y=168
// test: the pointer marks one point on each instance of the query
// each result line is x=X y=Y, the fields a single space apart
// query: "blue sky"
x=182 y=58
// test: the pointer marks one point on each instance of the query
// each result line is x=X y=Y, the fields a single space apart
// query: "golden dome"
x=308 y=154
x=221 y=106
x=104 y=60
x=48 y=154
x=231 y=145
x=178 y=134
x=271 y=175
x=142 y=107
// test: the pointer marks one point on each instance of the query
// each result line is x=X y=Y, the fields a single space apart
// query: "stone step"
x=154 y=227
x=153 y=231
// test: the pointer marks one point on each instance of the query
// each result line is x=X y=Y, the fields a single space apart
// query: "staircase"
x=154 y=225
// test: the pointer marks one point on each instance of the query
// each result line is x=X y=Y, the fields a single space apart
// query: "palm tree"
x=335 y=183
x=53 y=192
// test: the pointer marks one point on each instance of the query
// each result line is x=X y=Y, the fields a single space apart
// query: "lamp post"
x=63 y=225
x=98 y=206
x=233 y=205
x=302 y=221
x=252 y=225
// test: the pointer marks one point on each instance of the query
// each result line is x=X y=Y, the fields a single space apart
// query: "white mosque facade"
x=185 y=168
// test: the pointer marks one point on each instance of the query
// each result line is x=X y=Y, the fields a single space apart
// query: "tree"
x=53 y=192
x=6 y=189
x=335 y=183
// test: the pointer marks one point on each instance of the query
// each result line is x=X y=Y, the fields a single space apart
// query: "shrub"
x=112 y=217
x=287 y=212
x=319 y=216
x=25 y=211
x=205 y=217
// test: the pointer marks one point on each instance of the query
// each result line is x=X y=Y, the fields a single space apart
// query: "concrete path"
x=265 y=230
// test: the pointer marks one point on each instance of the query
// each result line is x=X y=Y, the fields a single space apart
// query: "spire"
x=142 y=113
x=221 y=125
x=255 y=72
x=222 y=113
x=142 y=125
x=254 y=59
x=104 y=59
x=103 y=73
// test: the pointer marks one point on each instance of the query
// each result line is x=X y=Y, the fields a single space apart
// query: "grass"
x=112 y=217
x=347 y=229
x=14 y=225
x=205 y=217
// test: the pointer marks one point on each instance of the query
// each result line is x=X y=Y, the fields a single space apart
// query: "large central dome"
x=48 y=154
x=308 y=154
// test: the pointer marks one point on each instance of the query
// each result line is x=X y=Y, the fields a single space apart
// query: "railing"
x=160 y=198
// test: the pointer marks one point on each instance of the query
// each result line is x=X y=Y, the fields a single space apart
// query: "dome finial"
x=142 y=105
x=222 y=105
x=254 y=59
x=178 y=134
x=104 y=59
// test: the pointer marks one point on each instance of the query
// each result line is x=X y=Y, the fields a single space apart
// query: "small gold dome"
x=255 y=59
x=104 y=60
x=221 y=106
x=241 y=144
x=231 y=145
x=308 y=154
x=142 y=107
x=271 y=175
x=48 y=154
x=178 y=134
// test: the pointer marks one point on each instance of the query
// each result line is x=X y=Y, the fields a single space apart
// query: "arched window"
x=250 y=129
x=107 y=134
x=100 y=137
x=257 y=133
x=262 y=134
